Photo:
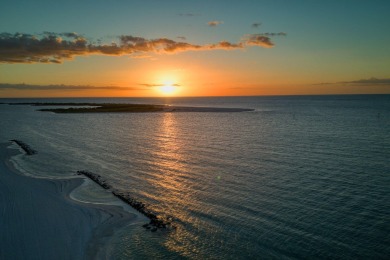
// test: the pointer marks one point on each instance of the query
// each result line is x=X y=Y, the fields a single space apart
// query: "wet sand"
x=38 y=220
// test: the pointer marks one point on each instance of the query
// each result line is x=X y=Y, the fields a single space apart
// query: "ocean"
x=300 y=177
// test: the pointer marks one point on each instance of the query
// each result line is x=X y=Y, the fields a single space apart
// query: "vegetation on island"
x=95 y=107
x=124 y=108
x=106 y=108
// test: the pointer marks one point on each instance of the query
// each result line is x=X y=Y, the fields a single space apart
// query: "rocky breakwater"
x=96 y=178
x=156 y=222
x=25 y=147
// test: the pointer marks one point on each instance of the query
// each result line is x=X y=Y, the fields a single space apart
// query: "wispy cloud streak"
x=370 y=81
x=157 y=85
x=273 y=34
x=51 y=47
x=214 y=23
x=5 y=86
x=188 y=14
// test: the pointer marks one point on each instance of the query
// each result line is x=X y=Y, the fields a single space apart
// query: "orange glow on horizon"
x=173 y=79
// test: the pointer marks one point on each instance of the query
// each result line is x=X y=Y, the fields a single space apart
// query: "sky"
x=152 y=48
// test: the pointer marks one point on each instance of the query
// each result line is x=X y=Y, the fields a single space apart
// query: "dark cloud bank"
x=56 y=47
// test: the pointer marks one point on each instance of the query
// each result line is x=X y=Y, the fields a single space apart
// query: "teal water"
x=300 y=177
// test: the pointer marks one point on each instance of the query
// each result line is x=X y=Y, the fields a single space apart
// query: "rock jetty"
x=155 y=223
x=96 y=178
x=25 y=147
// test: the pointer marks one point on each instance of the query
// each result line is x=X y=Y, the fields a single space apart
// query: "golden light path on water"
x=171 y=185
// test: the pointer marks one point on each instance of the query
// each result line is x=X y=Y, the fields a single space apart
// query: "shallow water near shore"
x=299 y=177
x=39 y=221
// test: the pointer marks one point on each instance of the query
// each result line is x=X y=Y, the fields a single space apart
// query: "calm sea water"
x=300 y=177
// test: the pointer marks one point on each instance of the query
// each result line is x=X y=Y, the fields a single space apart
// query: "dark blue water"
x=300 y=177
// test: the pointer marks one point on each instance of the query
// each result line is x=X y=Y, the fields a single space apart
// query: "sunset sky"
x=151 y=48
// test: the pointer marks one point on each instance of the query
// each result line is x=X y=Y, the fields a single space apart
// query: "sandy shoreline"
x=38 y=220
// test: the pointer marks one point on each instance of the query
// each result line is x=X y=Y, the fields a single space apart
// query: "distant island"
x=125 y=108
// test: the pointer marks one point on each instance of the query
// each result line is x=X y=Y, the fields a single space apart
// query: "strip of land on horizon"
x=123 y=108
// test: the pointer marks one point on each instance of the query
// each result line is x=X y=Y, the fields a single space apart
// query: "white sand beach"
x=39 y=221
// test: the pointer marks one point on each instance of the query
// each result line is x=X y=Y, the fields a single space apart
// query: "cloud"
x=5 y=86
x=258 y=40
x=273 y=34
x=257 y=25
x=157 y=85
x=51 y=47
x=370 y=81
x=188 y=14
x=183 y=38
x=224 y=45
x=214 y=23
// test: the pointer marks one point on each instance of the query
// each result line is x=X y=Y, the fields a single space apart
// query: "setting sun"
x=168 y=88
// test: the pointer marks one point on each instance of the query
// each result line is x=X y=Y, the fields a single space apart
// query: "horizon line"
x=228 y=96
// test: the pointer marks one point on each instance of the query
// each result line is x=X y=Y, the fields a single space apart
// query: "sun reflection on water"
x=172 y=186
